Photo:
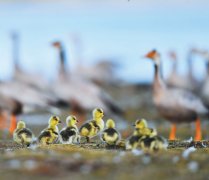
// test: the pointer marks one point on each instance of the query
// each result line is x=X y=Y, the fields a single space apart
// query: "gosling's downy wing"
x=25 y=131
x=44 y=133
x=67 y=132
x=110 y=131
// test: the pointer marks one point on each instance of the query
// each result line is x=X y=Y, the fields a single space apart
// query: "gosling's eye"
x=99 y=110
x=55 y=118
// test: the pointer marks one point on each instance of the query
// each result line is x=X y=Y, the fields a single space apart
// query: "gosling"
x=142 y=127
x=110 y=135
x=70 y=134
x=50 y=135
x=23 y=135
x=93 y=127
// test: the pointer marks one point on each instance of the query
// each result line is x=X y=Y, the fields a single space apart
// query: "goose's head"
x=54 y=121
x=71 y=121
x=98 y=113
x=154 y=56
x=57 y=44
x=21 y=125
x=110 y=123
x=140 y=123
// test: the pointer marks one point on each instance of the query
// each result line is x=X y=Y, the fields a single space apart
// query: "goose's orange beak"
x=151 y=54
x=56 y=44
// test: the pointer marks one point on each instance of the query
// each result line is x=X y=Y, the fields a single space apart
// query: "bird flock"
x=174 y=99
x=143 y=137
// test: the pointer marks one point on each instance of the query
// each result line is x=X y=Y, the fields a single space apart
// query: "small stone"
x=193 y=166
x=146 y=160
x=175 y=159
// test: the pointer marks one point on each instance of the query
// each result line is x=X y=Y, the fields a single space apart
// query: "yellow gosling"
x=50 y=135
x=110 y=135
x=133 y=141
x=23 y=135
x=94 y=126
x=69 y=134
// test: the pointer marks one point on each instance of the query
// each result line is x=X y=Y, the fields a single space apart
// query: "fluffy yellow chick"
x=110 y=135
x=22 y=135
x=154 y=143
x=133 y=141
x=93 y=127
x=69 y=134
x=50 y=135
x=142 y=127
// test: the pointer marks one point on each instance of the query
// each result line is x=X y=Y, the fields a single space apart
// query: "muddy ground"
x=95 y=161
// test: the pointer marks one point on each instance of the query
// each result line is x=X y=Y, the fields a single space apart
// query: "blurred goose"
x=205 y=85
x=74 y=88
x=34 y=86
x=34 y=80
x=173 y=104
x=188 y=81
x=9 y=107
x=29 y=97
x=100 y=73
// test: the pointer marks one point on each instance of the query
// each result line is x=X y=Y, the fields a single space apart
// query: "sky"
x=112 y=29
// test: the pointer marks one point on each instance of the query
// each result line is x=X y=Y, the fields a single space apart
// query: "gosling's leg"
x=172 y=135
x=198 y=132
x=87 y=139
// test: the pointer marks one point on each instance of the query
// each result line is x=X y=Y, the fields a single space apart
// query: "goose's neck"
x=190 y=70
x=62 y=59
x=158 y=81
x=207 y=68
x=174 y=68
x=15 y=49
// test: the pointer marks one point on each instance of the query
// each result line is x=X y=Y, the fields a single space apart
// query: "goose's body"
x=205 y=84
x=28 y=96
x=175 y=105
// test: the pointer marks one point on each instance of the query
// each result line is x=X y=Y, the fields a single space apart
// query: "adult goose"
x=78 y=90
x=9 y=110
x=175 y=105
x=187 y=81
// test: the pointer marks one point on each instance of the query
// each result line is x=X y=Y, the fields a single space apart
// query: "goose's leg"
x=172 y=135
x=13 y=124
x=198 y=132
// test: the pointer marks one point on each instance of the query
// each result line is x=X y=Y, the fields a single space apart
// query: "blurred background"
x=99 y=39
x=114 y=29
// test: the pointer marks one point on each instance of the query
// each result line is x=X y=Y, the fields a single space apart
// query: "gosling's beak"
x=60 y=122
x=133 y=125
